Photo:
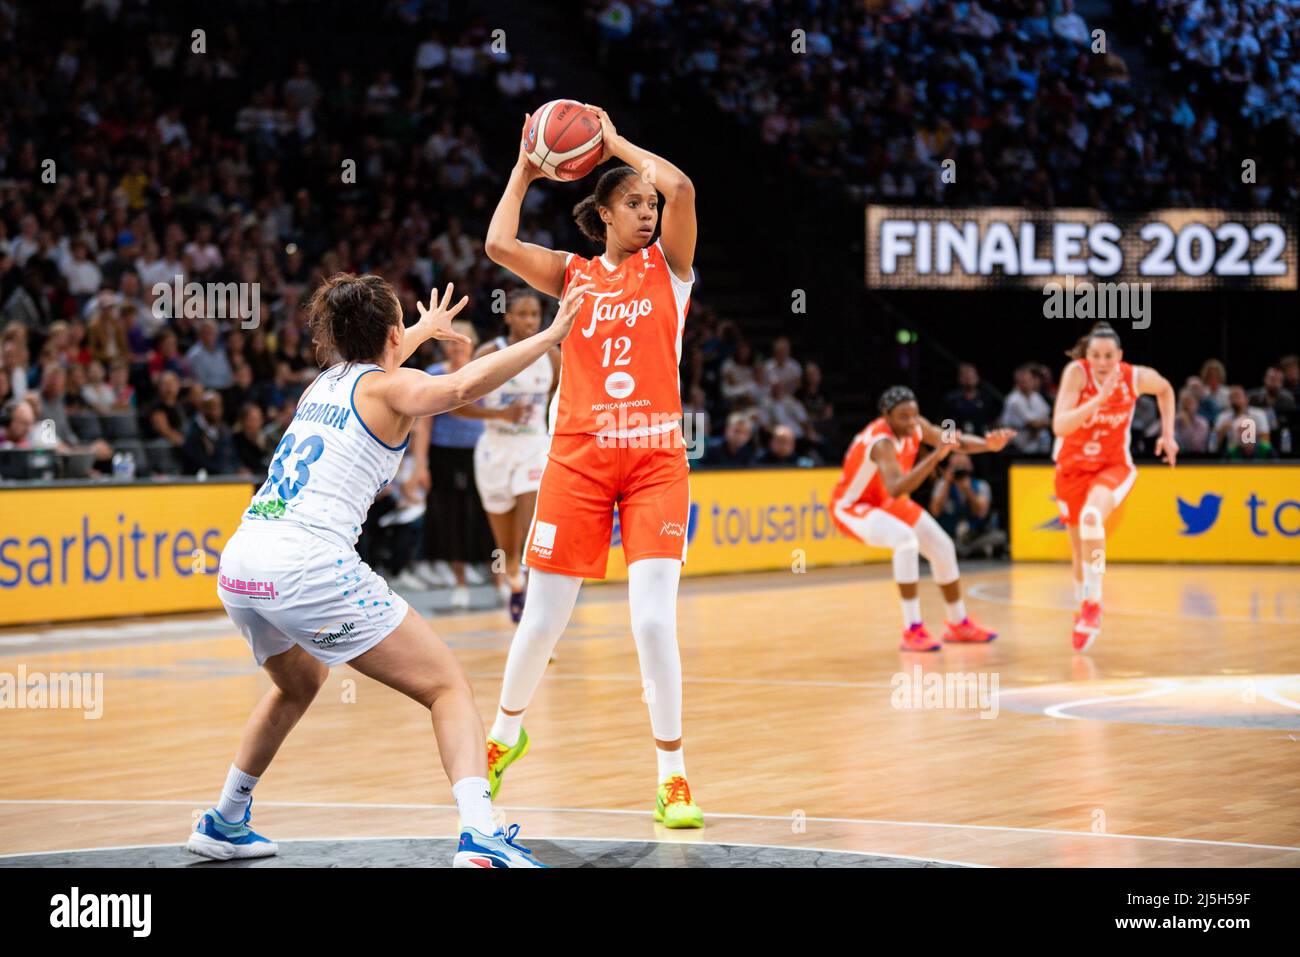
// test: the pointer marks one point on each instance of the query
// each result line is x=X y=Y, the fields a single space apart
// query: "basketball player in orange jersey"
x=872 y=502
x=1094 y=470
x=616 y=440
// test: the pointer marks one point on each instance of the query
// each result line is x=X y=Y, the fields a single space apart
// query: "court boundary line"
x=452 y=837
x=869 y=822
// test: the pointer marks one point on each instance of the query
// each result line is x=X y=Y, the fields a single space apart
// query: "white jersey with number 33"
x=329 y=466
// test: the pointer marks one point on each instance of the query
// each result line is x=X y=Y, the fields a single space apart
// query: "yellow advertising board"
x=760 y=520
x=1191 y=513
x=99 y=551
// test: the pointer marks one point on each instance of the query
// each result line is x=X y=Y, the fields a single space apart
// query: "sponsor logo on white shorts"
x=543 y=539
x=619 y=385
x=326 y=638
x=248 y=588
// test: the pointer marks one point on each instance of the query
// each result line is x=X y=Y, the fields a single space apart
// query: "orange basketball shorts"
x=1073 y=485
x=586 y=477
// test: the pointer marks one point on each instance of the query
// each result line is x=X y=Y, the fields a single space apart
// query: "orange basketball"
x=563 y=140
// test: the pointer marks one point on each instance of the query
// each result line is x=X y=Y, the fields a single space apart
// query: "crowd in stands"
x=876 y=95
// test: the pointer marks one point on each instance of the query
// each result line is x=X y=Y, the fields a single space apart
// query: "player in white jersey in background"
x=291 y=580
x=511 y=452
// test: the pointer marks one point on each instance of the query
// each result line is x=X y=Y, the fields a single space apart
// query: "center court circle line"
x=616 y=811
x=979 y=590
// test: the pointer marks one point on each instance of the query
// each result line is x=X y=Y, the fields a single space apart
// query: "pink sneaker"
x=1087 y=626
x=916 y=638
x=968 y=631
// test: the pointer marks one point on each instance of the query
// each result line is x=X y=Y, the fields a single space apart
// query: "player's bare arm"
x=677 y=226
x=993 y=441
x=1068 y=414
x=541 y=268
x=412 y=393
x=891 y=472
x=1151 y=382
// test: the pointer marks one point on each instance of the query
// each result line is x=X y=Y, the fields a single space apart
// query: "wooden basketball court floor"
x=1175 y=742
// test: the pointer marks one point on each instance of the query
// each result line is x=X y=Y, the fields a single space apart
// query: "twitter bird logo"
x=1198 y=519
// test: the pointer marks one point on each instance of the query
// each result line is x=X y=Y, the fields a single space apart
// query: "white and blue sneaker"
x=216 y=838
x=499 y=850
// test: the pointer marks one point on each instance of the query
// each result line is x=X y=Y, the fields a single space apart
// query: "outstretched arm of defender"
x=415 y=393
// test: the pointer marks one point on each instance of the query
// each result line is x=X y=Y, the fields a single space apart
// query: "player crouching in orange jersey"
x=872 y=502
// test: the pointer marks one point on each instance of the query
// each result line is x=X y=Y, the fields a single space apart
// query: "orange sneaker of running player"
x=916 y=638
x=967 y=631
x=1087 y=626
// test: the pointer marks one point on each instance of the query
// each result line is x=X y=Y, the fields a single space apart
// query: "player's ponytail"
x=587 y=213
x=1099 y=330
x=349 y=317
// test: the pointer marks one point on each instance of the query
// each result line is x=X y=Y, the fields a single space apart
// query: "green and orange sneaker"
x=500 y=756
x=673 y=804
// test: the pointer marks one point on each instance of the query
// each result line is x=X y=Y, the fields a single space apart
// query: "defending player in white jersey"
x=511 y=452
x=290 y=577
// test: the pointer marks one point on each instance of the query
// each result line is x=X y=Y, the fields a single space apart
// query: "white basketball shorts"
x=282 y=586
x=505 y=468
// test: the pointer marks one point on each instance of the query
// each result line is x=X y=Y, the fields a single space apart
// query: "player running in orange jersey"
x=616 y=440
x=1094 y=469
x=872 y=502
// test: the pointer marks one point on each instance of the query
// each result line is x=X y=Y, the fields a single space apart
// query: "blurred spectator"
x=782 y=450
x=742 y=375
x=735 y=448
x=970 y=405
x=963 y=506
x=208 y=446
x=1214 y=398
x=781 y=409
x=782 y=368
x=208 y=359
x=1191 y=431
x=164 y=417
x=1240 y=428
x=1026 y=411
x=18 y=431
x=250 y=445
x=457 y=533
x=1277 y=401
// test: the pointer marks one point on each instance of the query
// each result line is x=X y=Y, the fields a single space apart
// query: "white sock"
x=911 y=611
x=670 y=763
x=1078 y=590
x=506 y=728
x=956 y=611
x=236 y=795
x=474 y=802
x=1092 y=537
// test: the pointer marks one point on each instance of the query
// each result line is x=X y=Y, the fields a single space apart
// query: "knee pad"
x=907 y=564
x=1091 y=526
x=943 y=561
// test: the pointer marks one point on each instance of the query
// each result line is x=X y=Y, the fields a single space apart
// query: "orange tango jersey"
x=1103 y=440
x=861 y=483
x=619 y=372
